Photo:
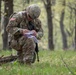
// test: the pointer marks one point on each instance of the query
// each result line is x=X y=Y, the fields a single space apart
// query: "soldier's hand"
x=25 y=31
x=34 y=32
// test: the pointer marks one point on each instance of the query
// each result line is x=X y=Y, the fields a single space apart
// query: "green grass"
x=50 y=64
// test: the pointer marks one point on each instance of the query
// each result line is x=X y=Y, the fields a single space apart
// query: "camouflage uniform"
x=25 y=46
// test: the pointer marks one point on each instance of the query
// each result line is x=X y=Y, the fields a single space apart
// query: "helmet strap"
x=29 y=18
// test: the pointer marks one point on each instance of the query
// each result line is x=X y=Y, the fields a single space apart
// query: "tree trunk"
x=50 y=24
x=64 y=37
x=0 y=15
x=28 y=1
x=0 y=10
x=5 y=35
x=50 y=29
x=8 y=9
x=75 y=28
x=53 y=2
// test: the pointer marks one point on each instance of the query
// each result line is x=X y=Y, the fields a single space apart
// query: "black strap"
x=37 y=50
x=31 y=26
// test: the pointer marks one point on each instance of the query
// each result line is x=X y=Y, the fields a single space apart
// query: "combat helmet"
x=33 y=10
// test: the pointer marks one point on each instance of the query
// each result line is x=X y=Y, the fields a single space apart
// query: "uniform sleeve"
x=39 y=29
x=13 y=24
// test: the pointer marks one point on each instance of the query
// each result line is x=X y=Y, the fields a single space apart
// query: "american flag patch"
x=12 y=19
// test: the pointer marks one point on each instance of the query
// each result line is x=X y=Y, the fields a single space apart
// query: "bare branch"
x=67 y=65
x=70 y=6
x=44 y=3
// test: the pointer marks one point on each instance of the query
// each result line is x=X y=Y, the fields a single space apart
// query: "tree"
x=71 y=31
x=75 y=27
x=48 y=8
x=53 y=2
x=0 y=10
x=28 y=1
x=0 y=14
x=64 y=37
x=8 y=10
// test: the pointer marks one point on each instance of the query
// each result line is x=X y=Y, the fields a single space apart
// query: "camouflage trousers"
x=25 y=47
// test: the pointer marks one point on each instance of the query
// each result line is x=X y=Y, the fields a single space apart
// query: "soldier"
x=21 y=23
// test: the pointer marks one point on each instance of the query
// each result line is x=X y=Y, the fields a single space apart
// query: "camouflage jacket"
x=19 y=21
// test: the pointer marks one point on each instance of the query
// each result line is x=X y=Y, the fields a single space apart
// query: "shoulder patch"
x=12 y=19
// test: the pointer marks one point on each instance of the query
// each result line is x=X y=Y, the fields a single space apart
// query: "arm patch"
x=12 y=19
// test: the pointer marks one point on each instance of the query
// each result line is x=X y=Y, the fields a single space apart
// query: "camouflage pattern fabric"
x=25 y=46
x=33 y=10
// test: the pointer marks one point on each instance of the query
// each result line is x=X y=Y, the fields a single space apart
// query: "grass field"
x=50 y=63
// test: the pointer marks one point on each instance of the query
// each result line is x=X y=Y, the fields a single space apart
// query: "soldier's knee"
x=15 y=45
